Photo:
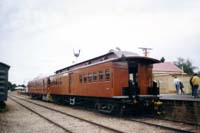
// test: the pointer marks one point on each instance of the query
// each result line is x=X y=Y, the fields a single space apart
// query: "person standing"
x=181 y=87
x=177 y=84
x=195 y=83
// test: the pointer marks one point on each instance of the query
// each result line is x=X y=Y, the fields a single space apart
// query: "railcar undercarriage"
x=119 y=105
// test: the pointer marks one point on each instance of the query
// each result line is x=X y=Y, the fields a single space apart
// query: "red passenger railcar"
x=114 y=81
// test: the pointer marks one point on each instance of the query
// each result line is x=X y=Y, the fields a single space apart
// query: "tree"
x=11 y=86
x=162 y=59
x=186 y=65
x=198 y=72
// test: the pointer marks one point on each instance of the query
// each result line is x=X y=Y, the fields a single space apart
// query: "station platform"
x=176 y=97
x=183 y=108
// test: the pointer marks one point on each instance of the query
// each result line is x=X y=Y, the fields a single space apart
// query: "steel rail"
x=159 y=126
x=167 y=119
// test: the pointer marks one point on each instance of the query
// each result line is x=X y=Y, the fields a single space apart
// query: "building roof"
x=166 y=67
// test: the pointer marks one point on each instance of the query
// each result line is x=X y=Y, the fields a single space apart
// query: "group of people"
x=194 y=82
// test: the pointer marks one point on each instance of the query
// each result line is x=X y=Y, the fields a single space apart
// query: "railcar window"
x=89 y=77
x=80 y=78
x=94 y=76
x=100 y=75
x=85 y=78
x=107 y=74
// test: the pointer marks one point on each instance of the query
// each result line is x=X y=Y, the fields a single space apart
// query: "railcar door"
x=133 y=78
x=43 y=86
x=145 y=78
x=70 y=83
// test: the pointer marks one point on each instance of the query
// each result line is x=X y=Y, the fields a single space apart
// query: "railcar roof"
x=111 y=56
x=141 y=59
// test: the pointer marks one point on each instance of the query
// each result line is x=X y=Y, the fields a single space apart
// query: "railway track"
x=164 y=123
x=140 y=120
x=49 y=120
x=167 y=119
x=109 y=129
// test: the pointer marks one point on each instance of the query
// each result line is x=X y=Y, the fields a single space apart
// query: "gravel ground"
x=117 y=123
x=17 y=119
x=70 y=123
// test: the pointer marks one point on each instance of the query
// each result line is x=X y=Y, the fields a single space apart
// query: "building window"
x=80 y=78
x=94 y=76
x=100 y=75
x=107 y=74
x=89 y=77
x=85 y=78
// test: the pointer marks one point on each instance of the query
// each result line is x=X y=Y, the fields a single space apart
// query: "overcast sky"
x=37 y=37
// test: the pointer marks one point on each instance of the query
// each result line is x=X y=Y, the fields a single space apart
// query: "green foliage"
x=186 y=65
x=22 y=85
x=162 y=59
x=11 y=86
x=198 y=72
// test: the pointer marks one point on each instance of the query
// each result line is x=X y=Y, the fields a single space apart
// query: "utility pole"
x=145 y=50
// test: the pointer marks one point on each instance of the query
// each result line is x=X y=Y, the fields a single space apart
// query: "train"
x=111 y=83
x=4 y=68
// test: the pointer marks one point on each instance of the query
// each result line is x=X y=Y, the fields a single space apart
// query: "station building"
x=164 y=74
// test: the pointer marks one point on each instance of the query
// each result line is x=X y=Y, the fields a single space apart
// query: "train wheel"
x=121 y=110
